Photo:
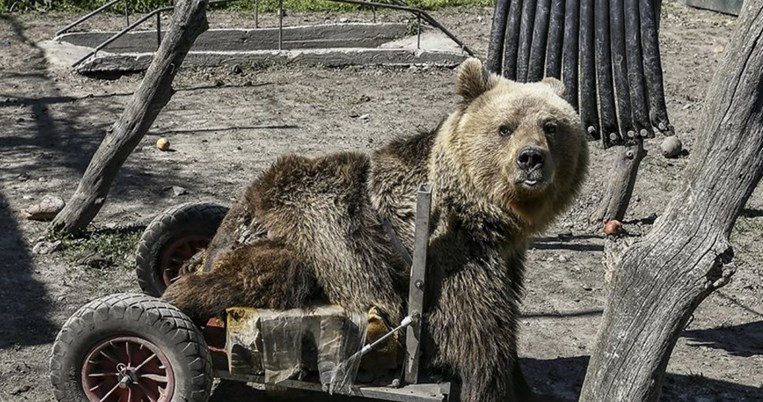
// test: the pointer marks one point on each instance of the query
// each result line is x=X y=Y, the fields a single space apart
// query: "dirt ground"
x=227 y=127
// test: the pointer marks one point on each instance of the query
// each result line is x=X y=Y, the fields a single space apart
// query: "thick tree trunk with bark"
x=659 y=281
x=189 y=20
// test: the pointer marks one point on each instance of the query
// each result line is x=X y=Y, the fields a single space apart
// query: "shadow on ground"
x=24 y=303
x=744 y=340
x=561 y=379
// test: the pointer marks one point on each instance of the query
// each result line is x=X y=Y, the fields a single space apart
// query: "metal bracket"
x=417 y=285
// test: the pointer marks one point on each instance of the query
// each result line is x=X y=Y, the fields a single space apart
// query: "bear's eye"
x=504 y=131
x=549 y=128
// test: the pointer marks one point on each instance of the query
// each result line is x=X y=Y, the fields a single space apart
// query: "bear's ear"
x=555 y=85
x=473 y=80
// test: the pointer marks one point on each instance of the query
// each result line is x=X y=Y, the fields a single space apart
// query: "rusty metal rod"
x=494 y=60
x=639 y=106
x=589 y=113
x=606 y=91
x=87 y=16
x=424 y=15
x=658 y=112
x=511 y=43
x=555 y=39
x=539 y=42
x=525 y=39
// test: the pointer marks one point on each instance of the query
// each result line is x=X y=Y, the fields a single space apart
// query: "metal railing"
x=394 y=5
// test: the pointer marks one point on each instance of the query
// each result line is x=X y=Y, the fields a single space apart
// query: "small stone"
x=354 y=114
x=92 y=259
x=671 y=147
x=613 y=228
x=364 y=98
x=178 y=191
x=21 y=390
x=163 y=144
x=237 y=69
x=46 y=247
x=46 y=209
x=586 y=287
x=343 y=20
x=562 y=258
x=364 y=117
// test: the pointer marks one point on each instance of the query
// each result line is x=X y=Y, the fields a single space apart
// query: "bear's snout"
x=531 y=158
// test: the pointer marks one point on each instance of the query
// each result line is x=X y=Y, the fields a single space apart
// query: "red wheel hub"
x=177 y=253
x=127 y=369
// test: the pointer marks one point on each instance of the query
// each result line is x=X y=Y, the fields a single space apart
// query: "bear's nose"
x=530 y=158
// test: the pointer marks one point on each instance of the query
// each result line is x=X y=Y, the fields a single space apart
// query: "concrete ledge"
x=342 y=57
x=294 y=37
x=732 y=7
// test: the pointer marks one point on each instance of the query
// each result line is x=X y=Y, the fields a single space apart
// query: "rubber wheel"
x=130 y=348
x=173 y=238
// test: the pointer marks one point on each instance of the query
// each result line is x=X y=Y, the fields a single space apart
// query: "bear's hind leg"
x=264 y=274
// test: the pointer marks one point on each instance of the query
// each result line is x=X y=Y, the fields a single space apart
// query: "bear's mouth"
x=530 y=181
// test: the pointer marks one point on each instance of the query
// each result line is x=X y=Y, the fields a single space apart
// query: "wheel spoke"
x=101 y=374
x=138 y=367
x=105 y=397
x=127 y=351
x=154 y=377
x=106 y=355
x=148 y=393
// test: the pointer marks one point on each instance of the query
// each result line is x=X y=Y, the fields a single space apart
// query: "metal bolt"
x=613 y=136
x=629 y=154
x=419 y=284
x=644 y=133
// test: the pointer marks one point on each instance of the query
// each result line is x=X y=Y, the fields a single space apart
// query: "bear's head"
x=521 y=146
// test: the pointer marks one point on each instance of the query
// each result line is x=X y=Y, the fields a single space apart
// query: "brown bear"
x=507 y=161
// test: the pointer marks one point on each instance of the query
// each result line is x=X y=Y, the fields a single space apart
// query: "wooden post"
x=189 y=20
x=660 y=280
x=620 y=186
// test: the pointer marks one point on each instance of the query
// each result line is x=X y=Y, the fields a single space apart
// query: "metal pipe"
x=280 y=25
x=619 y=68
x=589 y=113
x=570 y=51
x=658 y=112
x=511 y=44
x=87 y=16
x=525 y=39
x=120 y=34
x=127 y=12
x=418 y=31
x=158 y=29
x=607 y=107
x=555 y=39
x=639 y=106
x=407 y=321
x=494 y=60
x=539 y=41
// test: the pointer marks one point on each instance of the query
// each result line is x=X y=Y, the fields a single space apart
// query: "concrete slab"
x=335 y=45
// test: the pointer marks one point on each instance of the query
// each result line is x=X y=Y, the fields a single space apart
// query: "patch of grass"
x=265 y=5
x=114 y=247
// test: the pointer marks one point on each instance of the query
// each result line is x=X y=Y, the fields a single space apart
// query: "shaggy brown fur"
x=309 y=230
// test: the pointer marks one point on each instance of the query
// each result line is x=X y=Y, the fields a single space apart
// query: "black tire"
x=194 y=222
x=135 y=316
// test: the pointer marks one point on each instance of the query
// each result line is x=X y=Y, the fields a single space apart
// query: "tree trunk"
x=660 y=280
x=620 y=186
x=189 y=20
